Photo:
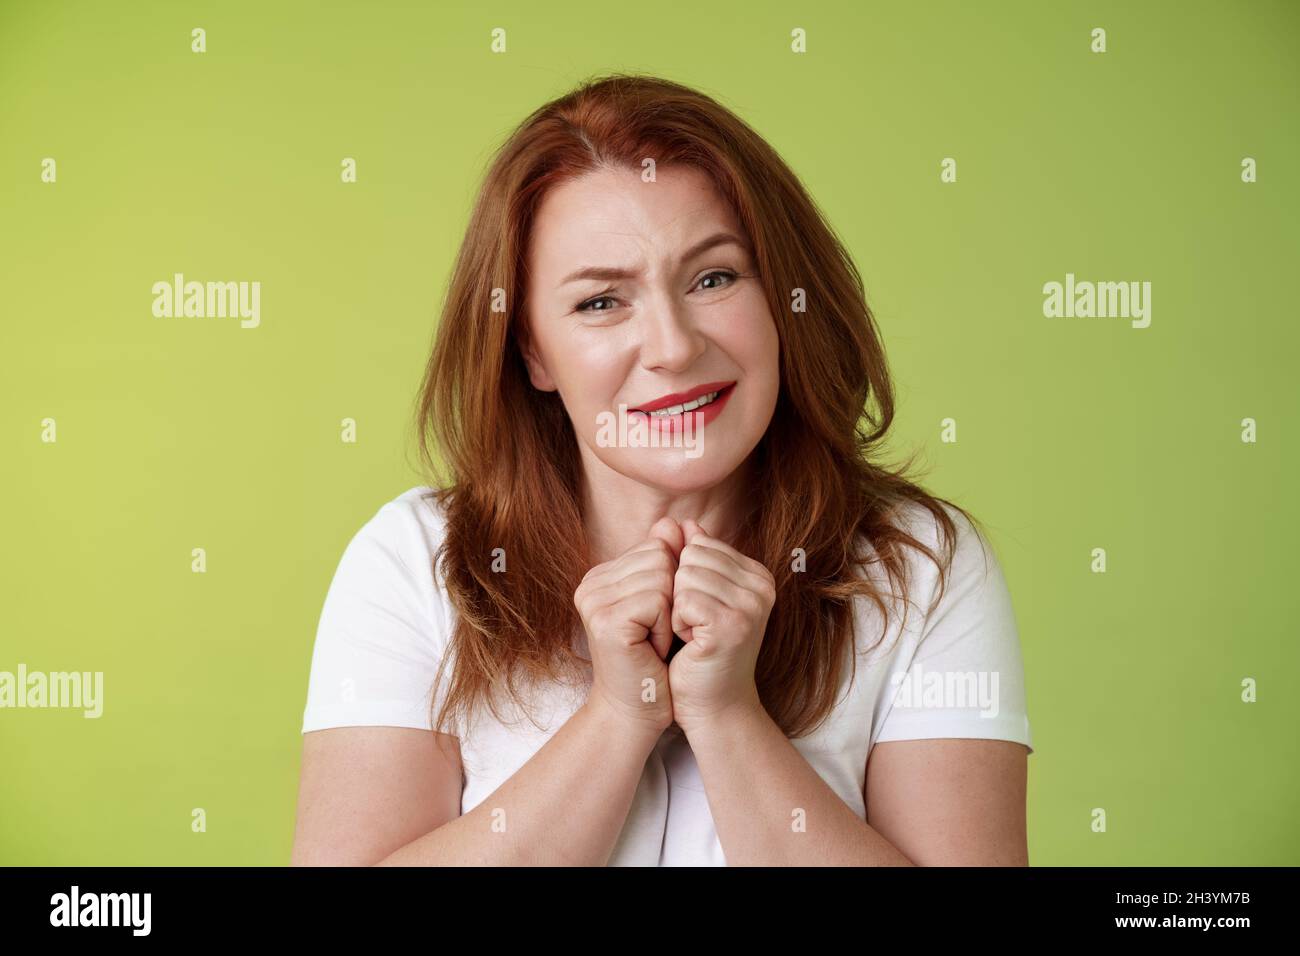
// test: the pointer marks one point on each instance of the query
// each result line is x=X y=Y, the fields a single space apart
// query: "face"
x=646 y=294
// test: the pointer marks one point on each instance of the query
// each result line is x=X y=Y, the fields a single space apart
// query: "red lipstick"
x=680 y=398
x=698 y=417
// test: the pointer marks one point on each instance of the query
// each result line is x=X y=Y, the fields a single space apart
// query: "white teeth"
x=693 y=404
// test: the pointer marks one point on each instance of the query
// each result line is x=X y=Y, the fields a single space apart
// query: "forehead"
x=610 y=217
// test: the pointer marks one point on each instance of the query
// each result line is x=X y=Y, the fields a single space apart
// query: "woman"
x=588 y=647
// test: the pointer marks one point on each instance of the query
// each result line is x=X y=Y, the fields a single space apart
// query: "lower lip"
x=706 y=414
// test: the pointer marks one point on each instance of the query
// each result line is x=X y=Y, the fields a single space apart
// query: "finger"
x=698 y=555
x=694 y=555
x=655 y=553
x=694 y=609
x=653 y=542
x=652 y=610
x=717 y=586
x=656 y=579
x=670 y=532
x=693 y=527
x=628 y=595
x=651 y=553
x=666 y=535
x=661 y=632
x=748 y=563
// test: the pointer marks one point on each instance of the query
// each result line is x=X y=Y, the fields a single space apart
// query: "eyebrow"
x=609 y=273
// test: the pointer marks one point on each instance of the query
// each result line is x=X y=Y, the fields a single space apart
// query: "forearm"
x=770 y=807
x=565 y=807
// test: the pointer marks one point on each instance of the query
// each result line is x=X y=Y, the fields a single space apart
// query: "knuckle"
x=734 y=617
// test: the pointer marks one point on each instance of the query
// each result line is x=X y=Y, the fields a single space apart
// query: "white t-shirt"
x=955 y=672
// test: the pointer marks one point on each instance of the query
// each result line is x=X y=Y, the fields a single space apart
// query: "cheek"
x=749 y=337
x=589 y=373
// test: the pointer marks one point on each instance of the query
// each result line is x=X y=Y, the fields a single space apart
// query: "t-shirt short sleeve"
x=383 y=628
x=966 y=675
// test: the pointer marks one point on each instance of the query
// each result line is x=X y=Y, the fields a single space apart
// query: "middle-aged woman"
x=666 y=605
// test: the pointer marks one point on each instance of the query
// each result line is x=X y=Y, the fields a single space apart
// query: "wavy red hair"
x=504 y=446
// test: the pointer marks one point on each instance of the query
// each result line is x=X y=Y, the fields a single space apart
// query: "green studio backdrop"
x=1170 y=444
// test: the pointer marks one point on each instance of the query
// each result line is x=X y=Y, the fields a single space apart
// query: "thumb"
x=661 y=632
x=667 y=529
x=691 y=528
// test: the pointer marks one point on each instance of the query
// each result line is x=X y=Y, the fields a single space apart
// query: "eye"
x=724 y=273
x=585 y=306
x=588 y=305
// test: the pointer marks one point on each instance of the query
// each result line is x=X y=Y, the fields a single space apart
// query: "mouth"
x=700 y=409
x=673 y=406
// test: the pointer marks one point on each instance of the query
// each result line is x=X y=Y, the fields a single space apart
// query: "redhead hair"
x=507 y=447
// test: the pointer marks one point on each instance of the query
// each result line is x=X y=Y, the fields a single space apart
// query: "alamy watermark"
x=102 y=909
x=1103 y=300
x=208 y=300
x=919 y=688
x=84 y=689
x=622 y=430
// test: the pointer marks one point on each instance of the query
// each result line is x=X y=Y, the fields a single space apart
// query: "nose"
x=669 y=338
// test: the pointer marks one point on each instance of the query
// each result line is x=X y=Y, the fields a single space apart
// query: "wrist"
x=649 y=726
x=725 y=722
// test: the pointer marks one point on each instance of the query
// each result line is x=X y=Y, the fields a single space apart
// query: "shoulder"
x=922 y=523
x=968 y=602
x=958 y=595
x=962 y=553
x=392 y=554
x=412 y=519
x=409 y=528
x=385 y=624
x=961 y=638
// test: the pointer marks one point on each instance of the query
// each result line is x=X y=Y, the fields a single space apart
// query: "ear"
x=537 y=373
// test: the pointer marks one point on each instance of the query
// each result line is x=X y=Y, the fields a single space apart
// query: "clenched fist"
x=720 y=605
x=626 y=609
x=682 y=580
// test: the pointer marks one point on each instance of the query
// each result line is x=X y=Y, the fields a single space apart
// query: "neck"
x=618 y=511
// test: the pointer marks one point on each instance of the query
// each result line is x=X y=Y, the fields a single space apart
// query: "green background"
x=1072 y=433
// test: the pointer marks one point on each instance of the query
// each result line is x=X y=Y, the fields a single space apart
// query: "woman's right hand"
x=626 y=609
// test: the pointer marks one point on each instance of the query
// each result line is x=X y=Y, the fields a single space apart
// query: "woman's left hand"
x=721 y=603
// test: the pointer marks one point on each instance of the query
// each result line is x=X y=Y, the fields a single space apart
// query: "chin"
x=676 y=474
